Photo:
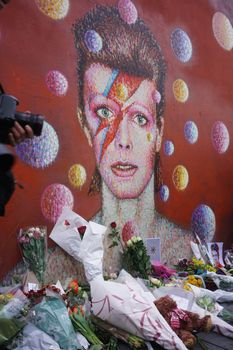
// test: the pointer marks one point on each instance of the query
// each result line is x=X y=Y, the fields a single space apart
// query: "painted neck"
x=140 y=210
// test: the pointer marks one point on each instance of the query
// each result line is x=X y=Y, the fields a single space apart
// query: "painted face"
x=121 y=115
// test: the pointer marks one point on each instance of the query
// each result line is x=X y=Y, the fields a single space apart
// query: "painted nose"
x=123 y=139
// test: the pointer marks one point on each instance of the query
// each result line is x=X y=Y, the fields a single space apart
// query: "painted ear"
x=82 y=123
x=159 y=136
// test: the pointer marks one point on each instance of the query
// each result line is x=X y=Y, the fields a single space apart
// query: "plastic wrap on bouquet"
x=223 y=282
x=123 y=303
x=218 y=295
x=69 y=231
x=51 y=316
x=33 y=338
x=33 y=244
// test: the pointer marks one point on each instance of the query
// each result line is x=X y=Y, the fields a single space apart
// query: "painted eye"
x=104 y=113
x=140 y=119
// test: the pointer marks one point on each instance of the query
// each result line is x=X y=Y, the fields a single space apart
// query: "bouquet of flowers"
x=193 y=267
x=134 y=255
x=33 y=243
x=135 y=258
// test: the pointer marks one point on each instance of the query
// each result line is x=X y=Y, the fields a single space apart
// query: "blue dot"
x=168 y=147
x=93 y=41
x=181 y=45
x=191 y=132
x=164 y=193
x=203 y=222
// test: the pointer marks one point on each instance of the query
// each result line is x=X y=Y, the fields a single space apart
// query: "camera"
x=8 y=116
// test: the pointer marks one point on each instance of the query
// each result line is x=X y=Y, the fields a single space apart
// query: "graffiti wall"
x=137 y=99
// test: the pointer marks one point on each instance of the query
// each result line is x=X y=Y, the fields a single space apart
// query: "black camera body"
x=8 y=116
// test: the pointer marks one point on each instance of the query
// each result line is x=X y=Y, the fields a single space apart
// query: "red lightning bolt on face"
x=123 y=87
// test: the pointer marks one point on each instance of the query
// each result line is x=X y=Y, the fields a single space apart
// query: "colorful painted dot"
x=180 y=90
x=129 y=230
x=41 y=151
x=56 y=83
x=128 y=11
x=149 y=136
x=223 y=31
x=164 y=193
x=157 y=96
x=181 y=45
x=121 y=92
x=54 y=198
x=190 y=132
x=93 y=41
x=55 y=9
x=220 y=137
x=168 y=147
x=77 y=175
x=203 y=222
x=180 y=177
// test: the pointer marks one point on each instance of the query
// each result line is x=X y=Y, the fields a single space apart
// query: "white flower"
x=155 y=281
x=129 y=243
x=30 y=234
x=113 y=275
x=134 y=239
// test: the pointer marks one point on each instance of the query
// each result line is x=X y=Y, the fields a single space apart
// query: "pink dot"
x=56 y=82
x=128 y=11
x=129 y=230
x=220 y=137
x=54 y=198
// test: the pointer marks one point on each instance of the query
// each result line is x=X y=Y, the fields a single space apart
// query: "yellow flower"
x=9 y=296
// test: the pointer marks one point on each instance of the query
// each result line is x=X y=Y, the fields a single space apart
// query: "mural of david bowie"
x=120 y=75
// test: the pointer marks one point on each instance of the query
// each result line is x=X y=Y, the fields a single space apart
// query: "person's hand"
x=19 y=134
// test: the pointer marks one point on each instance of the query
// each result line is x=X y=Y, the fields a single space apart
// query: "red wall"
x=32 y=44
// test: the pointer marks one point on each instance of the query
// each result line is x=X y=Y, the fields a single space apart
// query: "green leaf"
x=96 y=347
x=140 y=252
x=32 y=242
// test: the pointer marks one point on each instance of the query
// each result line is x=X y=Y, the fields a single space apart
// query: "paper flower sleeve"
x=91 y=250
x=66 y=232
x=125 y=306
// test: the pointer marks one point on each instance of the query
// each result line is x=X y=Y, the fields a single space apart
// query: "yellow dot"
x=55 y=9
x=180 y=90
x=77 y=175
x=149 y=137
x=121 y=92
x=180 y=177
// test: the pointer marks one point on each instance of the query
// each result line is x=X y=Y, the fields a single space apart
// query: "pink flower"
x=36 y=234
x=129 y=230
x=161 y=270
x=23 y=239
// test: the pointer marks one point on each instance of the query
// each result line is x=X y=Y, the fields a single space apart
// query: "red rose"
x=82 y=229
x=113 y=224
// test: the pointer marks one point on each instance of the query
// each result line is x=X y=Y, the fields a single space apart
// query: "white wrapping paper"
x=125 y=305
x=65 y=232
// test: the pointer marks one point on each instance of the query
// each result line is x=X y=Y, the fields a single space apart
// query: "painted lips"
x=124 y=169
